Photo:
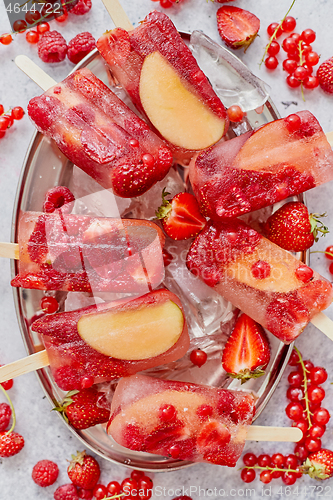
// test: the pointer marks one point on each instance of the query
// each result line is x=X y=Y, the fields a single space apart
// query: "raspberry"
x=80 y=46
x=52 y=47
x=58 y=197
x=81 y=8
x=45 y=473
x=66 y=492
x=5 y=414
x=324 y=75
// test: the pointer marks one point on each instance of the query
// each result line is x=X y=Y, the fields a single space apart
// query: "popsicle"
x=184 y=421
x=101 y=135
x=266 y=282
x=61 y=251
x=111 y=340
x=261 y=167
x=158 y=71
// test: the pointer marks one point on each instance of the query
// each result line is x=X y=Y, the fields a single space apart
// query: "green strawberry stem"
x=60 y=407
x=12 y=408
x=274 y=34
x=246 y=374
x=305 y=385
x=317 y=225
x=166 y=207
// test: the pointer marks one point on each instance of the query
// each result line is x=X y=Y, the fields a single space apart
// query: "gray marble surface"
x=45 y=434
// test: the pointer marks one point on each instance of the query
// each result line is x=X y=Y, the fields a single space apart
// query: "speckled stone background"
x=45 y=434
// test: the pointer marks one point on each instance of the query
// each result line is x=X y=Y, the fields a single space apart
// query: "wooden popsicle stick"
x=118 y=15
x=25 y=365
x=34 y=72
x=329 y=137
x=324 y=324
x=267 y=433
x=9 y=251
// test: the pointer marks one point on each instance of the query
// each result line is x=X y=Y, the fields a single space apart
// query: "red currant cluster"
x=329 y=255
x=33 y=19
x=11 y=442
x=7 y=118
x=300 y=58
x=306 y=395
x=138 y=486
x=166 y=4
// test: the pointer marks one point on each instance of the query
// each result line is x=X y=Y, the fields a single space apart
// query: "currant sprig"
x=305 y=386
x=12 y=408
x=273 y=37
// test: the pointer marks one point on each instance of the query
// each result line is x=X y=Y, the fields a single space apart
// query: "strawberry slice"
x=246 y=353
x=213 y=435
x=237 y=27
x=181 y=217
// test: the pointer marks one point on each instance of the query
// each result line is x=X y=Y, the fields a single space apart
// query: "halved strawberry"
x=237 y=27
x=181 y=217
x=246 y=353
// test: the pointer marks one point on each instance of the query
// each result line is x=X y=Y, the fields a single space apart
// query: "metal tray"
x=44 y=167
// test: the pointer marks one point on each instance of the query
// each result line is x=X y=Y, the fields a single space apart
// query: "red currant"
x=316 y=394
x=17 y=113
x=305 y=48
x=289 y=65
x=292 y=81
x=235 y=113
x=198 y=357
x=271 y=62
x=311 y=82
x=43 y=28
x=166 y=4
x=32 y=36
x=307 y=365
x=331 y=268
x=308 y=36
x=312 y=444
x=8 y=384
x=250 y=459
x=301 y=452
x=289 y=24
x=113 y=488
x=289 y=478
x=295 y=36
x=264 y=461
x=294 y=393
x=309 y=68
x=137 y=474
x=321 y=416
x=32 y=16
x=290 y=461
x=248 y=475
x=271 y=29
x=128 y=485
x=265 y=476
x=144 y=495
x=4 y=122
x=261 y=269
x=274 y=48
x=167 y=413
x=293 y=122
x=205 y=411
x=84 y=494
x=2 y=110
x=318 y=375
x=295 y=379
x=294 y=358
x=278 y=460
x=303 y=426
x=6 y=39
x=145 y=483
x=63 y=17
x=11 y=120
x=294 y=411
x=312 y=58
x=19 y=26
x=289 y=45
x=301 y=73
x=99 y=492
x=49 y=305
x=329 y=252
x=317 y=431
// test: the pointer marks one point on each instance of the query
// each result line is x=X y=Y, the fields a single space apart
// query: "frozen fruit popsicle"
x=112 y=340
x=261 y=167
x=101 y=135
x=266 y=282
x=59 y=251
x=181 y=420
x=158 y=71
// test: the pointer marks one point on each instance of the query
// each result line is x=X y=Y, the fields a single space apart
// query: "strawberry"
x=319 y=465
x=84 y=471
x=246 y=353
x=5 y=416
x=11 y=443
x=181 y=217
x=237 y=27
x=81 y=408
x=213 y=435
x=325 y=75
x=45 y=473
x=293 y=228
x=66 y=492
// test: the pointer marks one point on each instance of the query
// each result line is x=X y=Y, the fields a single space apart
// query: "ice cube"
x=231 y=79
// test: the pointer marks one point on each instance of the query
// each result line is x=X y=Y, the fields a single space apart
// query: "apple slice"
x=133 y=334
x=179 y=115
